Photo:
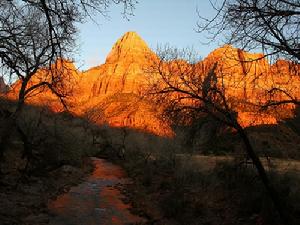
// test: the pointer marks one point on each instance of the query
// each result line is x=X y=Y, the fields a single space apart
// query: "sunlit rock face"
x=63 y=77
x=113 y=93
x=109 y=93
x=129 y=110
x=285 y=75
x=242 y=74
x=130 y=48
x=247 y=79
x=115 y=88
x=125 y=68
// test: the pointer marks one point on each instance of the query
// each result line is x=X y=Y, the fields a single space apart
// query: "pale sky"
x=158 y=22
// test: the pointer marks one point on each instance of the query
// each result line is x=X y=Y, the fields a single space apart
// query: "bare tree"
x=35 y=37
x=270 y=25
x=35 y=34
x=190 y=91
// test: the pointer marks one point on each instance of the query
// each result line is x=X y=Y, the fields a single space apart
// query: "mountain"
x=63 y=72
x=123 y=70
x=247 y=79
x=115 y=87
x=130 y=48
x=112 y=93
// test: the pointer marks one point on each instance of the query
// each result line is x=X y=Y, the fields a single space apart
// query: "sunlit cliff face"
x=247 y=79
x=113 y=92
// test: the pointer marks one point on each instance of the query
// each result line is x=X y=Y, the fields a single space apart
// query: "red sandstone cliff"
x=247 y=78
x=114 y=87
x=111 y=93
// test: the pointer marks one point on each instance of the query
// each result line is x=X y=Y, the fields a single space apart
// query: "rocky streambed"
x=97 y=200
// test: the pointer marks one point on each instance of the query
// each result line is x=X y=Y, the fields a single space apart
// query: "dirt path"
x=95 y=201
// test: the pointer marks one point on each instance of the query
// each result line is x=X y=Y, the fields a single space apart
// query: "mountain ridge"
x=244 y=75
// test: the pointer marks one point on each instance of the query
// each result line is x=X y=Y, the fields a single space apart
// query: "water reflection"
x=96 y=201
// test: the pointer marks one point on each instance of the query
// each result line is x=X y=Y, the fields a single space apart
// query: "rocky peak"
x=124 y=69
x=236 y=56
x=129 y=47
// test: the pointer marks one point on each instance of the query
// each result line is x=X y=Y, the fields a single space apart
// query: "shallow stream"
x=95 y=201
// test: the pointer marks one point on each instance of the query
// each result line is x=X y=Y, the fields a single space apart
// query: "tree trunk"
x=279 y=205
x=11 y=122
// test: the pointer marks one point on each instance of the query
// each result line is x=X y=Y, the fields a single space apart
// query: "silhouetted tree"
x=271 y=26
x=189 y=91
x=38 y=34
x=35 y=34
